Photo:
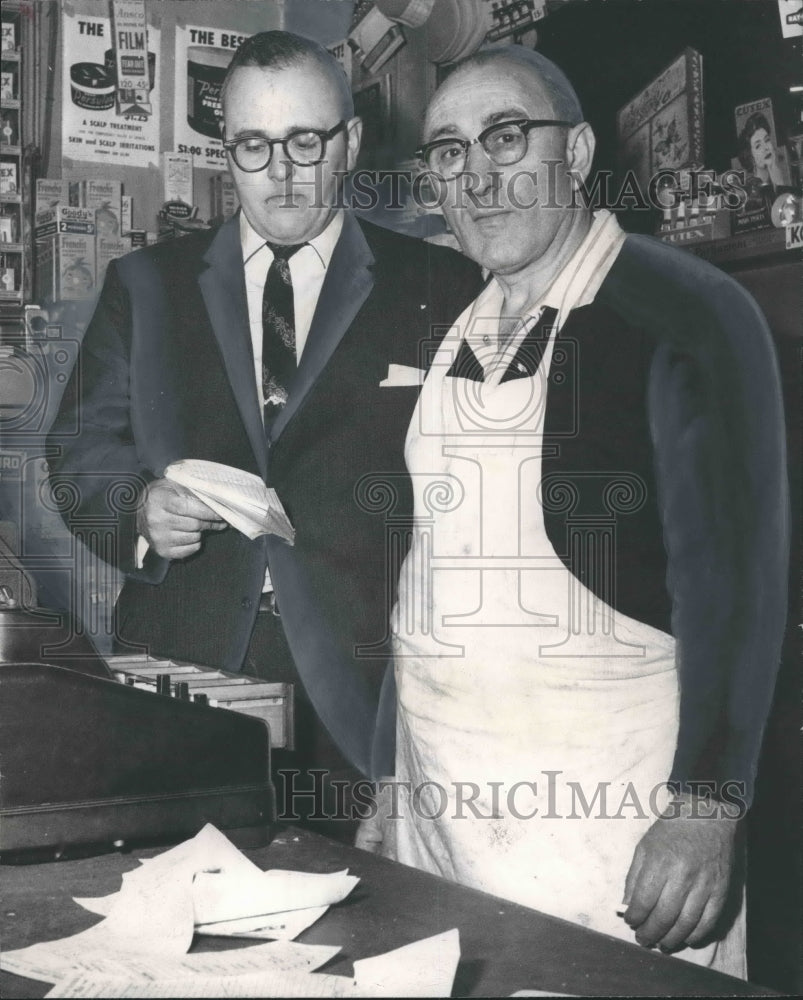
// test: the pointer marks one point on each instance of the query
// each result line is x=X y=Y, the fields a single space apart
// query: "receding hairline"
x=562 y=96
x=293 y=51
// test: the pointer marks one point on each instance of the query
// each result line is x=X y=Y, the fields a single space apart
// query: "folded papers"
x=239 y=497
x=206 y=886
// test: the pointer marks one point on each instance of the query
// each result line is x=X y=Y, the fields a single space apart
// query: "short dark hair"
x=281 y=49
x=753 y=124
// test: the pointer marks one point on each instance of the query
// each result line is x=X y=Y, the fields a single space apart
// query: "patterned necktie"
x=278 y=330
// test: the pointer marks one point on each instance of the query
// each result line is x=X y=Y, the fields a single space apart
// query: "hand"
x=369 y=835
x=678 y=880
x=171 y=519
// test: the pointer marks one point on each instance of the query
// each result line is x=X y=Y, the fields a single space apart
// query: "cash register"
x=96 y=755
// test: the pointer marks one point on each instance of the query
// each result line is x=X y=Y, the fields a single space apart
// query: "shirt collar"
x=323 y=244
x=579 y=279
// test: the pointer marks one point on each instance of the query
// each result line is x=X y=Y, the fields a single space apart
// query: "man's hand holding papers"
x=240 y=498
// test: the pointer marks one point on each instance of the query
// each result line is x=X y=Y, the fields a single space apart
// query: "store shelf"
x=758 y=245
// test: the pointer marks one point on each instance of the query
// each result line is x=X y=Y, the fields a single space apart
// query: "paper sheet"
x=420 y=969
x=261 y=985
x=278 y=926
x=88 y=955
x=239 y=497
x=276 y=891
x=154 y=913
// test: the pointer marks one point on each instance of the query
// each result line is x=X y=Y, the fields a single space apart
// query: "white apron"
x=515 y=680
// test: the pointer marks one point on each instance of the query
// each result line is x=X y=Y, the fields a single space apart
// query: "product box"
x=65 y=268
x=9 y=179
x=51 y=192
x=10 y=274
x=107 y=250
x=223 y=196
x=764 y=161
x=9 y=128
x=216 y=196
x=126 y=214
x=104 y=198
x=661 y=128
x=177 y=177
x=138 y=238
x=8 y=229
x=229 y=202
x=8 y=36
x=8 y=85
x=64 y=219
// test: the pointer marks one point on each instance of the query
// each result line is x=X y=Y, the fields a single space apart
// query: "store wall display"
x=15 y=172
x=202 y=55
x=96 y=127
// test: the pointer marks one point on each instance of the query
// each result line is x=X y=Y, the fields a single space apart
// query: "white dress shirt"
x=308 y=268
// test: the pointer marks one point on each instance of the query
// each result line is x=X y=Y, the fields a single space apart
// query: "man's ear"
x=353 y=140
x=580 y=145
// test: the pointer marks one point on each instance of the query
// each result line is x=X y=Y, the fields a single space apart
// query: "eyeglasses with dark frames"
x=504 y=144
x=303 y=147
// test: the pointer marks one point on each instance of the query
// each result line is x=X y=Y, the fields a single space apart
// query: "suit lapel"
x=223 y=288
x=347 y=284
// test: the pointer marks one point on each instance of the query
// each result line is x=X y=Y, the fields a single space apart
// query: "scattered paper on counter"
x=230 y=895
x=82 y=956
x=278 y=926
x=205 y=885
x=542 y=993
x=422 y=969
x=231 y=898
x=154 y=914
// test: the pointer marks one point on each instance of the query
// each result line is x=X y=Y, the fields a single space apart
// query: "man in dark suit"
x=180 y=361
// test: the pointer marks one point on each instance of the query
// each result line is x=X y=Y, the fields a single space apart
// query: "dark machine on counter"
x=95 y=756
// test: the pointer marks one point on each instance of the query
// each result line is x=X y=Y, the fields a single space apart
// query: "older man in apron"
x=589 y=617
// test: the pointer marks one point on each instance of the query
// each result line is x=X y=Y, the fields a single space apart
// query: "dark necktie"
x=278 y=330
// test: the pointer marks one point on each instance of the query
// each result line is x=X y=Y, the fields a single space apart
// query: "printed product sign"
x=202 y=56
x=96 y=126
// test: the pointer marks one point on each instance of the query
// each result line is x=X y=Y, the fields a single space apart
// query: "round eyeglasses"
x=303 y=147
x=503 y=144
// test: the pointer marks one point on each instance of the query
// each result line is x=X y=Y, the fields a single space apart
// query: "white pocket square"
x=403 y=375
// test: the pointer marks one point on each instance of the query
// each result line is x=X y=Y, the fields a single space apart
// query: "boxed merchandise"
x=104 y=199
x=126 y=214
x=106 y=250
x=8 y=85
x=9 y=128
x=8 y=36
x=138 y=238
x=50 y=192
x=9 y=179
x=223 y=196
x=661 y=128
x=65 y=268
x=764 y=162
x=229 y=202
x=64 y=219
x=9 y=272
x=8 y=229
x=177 y=177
